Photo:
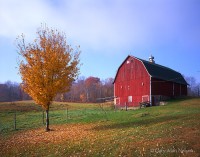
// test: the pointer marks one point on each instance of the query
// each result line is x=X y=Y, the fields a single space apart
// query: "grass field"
x=89 y=130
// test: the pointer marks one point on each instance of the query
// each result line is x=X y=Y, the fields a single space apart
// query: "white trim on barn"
x=150 y=99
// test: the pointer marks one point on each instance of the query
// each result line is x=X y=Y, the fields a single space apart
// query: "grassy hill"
x=90 y=130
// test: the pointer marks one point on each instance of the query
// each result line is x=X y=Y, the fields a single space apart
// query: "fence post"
x=43 y=117
x=15 y=121
x=67 y=114
x=101 y=106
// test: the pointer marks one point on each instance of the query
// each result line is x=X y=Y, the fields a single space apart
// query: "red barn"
x=138 y=81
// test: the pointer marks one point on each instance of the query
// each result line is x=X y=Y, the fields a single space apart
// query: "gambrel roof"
x=159 y=72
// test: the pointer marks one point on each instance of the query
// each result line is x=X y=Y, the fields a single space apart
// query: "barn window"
x=145 y=98
x=129 y=98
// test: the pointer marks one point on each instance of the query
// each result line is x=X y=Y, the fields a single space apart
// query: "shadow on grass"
x=147 y=121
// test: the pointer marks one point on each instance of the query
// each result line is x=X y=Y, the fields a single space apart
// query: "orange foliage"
x=83 y=97
x=49 y=65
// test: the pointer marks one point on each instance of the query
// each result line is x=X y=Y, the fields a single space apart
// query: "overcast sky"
x=107 y=31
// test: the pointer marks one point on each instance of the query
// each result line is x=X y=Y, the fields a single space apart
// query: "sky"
x=107 y=32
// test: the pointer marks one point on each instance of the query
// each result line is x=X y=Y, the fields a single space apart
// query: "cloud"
x=20 y=16
x=102 y=24
x=94 y=24
x=107 y=30
x=99 y=24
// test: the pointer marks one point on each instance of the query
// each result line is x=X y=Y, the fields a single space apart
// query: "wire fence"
x=16 y=120
x=21 y=120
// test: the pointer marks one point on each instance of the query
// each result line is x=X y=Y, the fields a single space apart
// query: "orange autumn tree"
x=48 y=66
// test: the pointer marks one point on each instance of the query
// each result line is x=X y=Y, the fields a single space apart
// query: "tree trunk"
x=47 y=120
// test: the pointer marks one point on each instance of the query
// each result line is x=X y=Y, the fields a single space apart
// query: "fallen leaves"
x=74 y=133
x=102 y=140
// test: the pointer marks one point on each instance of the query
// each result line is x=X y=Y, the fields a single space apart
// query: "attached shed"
x=138 y=80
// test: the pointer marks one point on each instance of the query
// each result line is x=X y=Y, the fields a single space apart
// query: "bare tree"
x=193 y=87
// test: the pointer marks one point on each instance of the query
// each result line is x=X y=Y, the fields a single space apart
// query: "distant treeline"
x=11 y=91
x=82 y=90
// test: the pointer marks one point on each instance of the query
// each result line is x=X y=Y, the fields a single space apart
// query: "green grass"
x=29 y=115
x=170 y=130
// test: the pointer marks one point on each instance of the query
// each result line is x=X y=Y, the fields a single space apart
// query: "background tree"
x=11 y=91
x=108 y=87
x=48 y=67
x=88 y=90
x=193 y=87
x=92 y=87
x=4 y=93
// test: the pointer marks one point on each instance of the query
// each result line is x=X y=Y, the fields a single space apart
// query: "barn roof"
x=160 y=72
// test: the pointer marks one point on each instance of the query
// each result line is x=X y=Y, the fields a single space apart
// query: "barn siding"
x=132 y=80
x=183 y=90
x=167 y=88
